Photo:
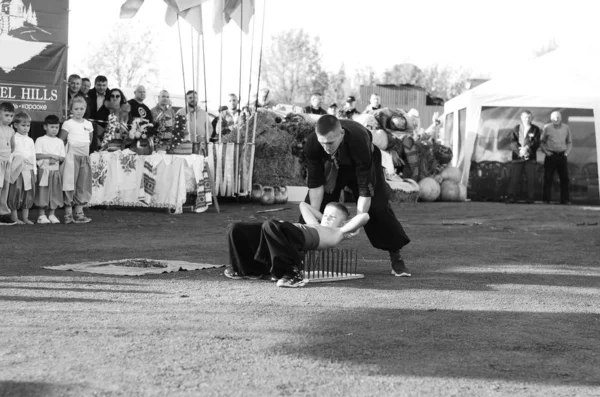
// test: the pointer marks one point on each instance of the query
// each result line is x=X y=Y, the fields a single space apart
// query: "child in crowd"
x=76 y=169
x=7 y=144
x=21 y=192
x=50 y=152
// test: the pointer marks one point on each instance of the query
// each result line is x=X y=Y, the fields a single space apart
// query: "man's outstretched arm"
x=355 y=223
x=311 y=216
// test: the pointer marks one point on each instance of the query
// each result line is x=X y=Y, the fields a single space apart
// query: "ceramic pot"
x=144 y=147
x=114 y=145
x=283 y=194
x=257 y=191
x=268 y=196
x=277 y=194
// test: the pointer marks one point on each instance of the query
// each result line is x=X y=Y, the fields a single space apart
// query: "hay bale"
x=278 y=157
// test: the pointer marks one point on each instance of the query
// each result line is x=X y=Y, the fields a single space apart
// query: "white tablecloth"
x=119 y=179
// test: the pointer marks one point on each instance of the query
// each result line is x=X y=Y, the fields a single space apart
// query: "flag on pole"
x=183 y=5
x=243 y=14
x=222 y=13
x=192 y=15
x=130 y=8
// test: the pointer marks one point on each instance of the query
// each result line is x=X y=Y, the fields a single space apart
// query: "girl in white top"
x=76 y=169
x=21 y=192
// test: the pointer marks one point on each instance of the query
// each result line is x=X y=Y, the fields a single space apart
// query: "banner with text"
x=33 y=60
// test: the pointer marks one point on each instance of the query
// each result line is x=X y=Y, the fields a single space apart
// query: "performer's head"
x=335 y=214
x=329 y=133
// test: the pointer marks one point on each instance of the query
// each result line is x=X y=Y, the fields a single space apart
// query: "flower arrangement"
x=179 y=132
x=142 y=129
x=142 y=134
x=112 y=131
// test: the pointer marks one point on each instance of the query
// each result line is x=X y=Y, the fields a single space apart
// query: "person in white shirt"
x=77 y=171
x=21 y=192
x=50 y=152
x=196 y=118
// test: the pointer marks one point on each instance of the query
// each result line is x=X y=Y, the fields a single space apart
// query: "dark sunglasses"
x=115 y=96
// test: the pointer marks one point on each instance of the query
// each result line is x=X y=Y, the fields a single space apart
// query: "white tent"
x=562 y=79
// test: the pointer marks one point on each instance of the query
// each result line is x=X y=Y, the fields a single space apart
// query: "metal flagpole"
x=256 y=103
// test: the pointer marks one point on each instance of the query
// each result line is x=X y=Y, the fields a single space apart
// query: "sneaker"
x=53 y=219
x=81 y=218
x=43 y=220
x=399 y=269
x=6 y=220
x=232 y=274
x=292 y=282
x=68 y=218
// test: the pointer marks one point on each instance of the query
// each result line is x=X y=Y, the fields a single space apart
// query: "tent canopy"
x=564 y=78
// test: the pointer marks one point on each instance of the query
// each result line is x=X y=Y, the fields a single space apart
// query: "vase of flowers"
x=142 y=134
x=178 y=144
x=112 y=139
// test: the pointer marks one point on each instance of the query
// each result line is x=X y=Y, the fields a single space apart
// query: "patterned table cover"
x=158 y=180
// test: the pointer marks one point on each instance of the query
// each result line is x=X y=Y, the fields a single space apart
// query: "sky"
x=486 y=37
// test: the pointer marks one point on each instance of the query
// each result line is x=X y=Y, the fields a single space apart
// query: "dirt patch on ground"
x=504 y=300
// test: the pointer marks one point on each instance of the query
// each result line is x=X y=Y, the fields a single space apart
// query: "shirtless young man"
x=274 y=247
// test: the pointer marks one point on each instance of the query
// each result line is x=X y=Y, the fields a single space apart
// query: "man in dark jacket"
x=340 y=154
x=96 y=98
x=315 y=105
x=525 y=141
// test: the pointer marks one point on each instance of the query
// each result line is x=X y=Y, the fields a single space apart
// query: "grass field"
x=504 y=300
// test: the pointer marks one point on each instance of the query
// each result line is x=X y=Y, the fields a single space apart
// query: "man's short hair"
x=340 y=207
x=375 y=95
x=7 y=107
x=526 y=111
x=100 y=79
x=21 y=117
x=191 y=92
x=86 y=79
x=350 y=99
x=51 y=120
x=74 y=77
x=232 y=95
x=326 y=124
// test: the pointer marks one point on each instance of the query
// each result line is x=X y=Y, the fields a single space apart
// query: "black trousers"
x=261 y=248
x=383 y=229
x=556 y=162
x=516 y=171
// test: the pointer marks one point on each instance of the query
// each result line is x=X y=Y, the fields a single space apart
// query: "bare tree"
x=550 y=46
x=444 y=81
x=364 y=76
x=127 y=56
x=338 y=88
x=404 y=73
x=292 y=67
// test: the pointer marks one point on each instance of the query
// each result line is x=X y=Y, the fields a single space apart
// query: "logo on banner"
x=18 y=32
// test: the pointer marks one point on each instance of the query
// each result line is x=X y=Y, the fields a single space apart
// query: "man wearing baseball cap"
x=350 y=107
x=340 y=154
